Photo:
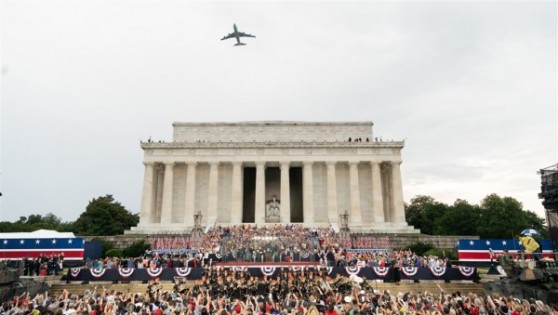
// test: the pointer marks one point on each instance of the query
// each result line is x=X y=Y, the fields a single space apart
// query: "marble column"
x=377 y=195
x=190 y=198
x=308 y=192
x=147 y=199
x=354 y=213
x=385 y=171
x=398 y=210
x=285 y=193
x=212 y=193
x=236 y=196
x=259 y=209
x=166 y=207
x=332 y=207
x=160 y=169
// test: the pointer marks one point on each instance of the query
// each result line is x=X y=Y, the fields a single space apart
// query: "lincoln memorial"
x=267 y=172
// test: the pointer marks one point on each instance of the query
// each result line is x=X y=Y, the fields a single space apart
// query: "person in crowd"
x=228 y=293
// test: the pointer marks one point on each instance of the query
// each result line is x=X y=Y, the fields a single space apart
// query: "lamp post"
x=344 y=223
x=197 y=230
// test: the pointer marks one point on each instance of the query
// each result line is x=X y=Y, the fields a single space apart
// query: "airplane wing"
x=231 y=35
x=240 y=34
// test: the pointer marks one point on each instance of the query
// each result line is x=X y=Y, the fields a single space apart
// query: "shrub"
x=136 y=249
x=115 y=252
x=441 y=253
x=420 y=248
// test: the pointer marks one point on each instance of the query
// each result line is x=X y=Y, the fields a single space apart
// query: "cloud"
x=471 y=86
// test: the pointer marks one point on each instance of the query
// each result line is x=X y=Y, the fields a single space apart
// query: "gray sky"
x=470 y=86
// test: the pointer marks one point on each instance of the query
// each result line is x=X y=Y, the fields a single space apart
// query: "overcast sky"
x=470 y=87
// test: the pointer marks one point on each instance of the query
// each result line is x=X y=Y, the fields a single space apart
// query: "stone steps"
x=430 y=286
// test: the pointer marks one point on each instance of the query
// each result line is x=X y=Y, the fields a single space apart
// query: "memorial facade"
x=315 y=173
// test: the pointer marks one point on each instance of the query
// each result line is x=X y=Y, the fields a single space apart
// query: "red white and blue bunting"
x=437 y=270
x=466 y=271
x=183 y=271
x=239 y=269
x=97 y=272
x=352 y=270
x=268 y=271
x=409 y=271
x=75 y=272
x=381 y=271
x=125 y=272
x=155 y=272
x=166 y=274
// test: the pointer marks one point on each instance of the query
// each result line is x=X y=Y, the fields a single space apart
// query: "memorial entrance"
x=274 y=200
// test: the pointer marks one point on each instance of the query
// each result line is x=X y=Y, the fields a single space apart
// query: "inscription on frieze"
x=274 y=131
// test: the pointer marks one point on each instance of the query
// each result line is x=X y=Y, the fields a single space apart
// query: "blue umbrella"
x=530 y=232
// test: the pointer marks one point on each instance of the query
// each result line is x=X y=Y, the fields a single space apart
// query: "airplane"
x=236 y=34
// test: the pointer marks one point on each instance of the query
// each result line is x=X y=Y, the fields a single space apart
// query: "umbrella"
x=530 y=232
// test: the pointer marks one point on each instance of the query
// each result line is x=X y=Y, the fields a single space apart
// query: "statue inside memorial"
x=272 y=208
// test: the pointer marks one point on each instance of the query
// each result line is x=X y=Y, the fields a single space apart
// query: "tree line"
x=493 y=217
x=103 y=216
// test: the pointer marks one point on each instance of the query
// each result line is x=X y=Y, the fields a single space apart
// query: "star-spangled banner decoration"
x=478 y=250
x=71 y=248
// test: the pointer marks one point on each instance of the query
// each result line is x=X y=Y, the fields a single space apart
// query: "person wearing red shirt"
x=330 y=310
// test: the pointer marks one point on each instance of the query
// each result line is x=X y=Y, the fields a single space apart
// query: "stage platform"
x=309 y=264
x=187 y=273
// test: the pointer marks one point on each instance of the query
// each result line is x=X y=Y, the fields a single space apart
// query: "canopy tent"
x=37 y=234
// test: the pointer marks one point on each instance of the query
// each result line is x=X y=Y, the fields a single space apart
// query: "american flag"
x=480 y=250
x=19 y=248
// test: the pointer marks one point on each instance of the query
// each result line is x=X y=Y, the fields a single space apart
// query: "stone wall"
x=119 y=241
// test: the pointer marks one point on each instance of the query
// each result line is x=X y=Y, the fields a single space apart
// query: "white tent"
x=37 y=234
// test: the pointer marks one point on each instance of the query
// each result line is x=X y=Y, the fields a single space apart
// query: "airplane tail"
x=239 y=44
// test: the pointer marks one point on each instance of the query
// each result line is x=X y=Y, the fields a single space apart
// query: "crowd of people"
x=289 y=234
x=277 y=243
x=43 y=265
x=223 y=292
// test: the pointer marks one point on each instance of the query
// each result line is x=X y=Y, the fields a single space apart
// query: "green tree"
x=35 y=222
x=423 y=212
x=504 y=217
x=105 y=216
x=460 y=219
x=136 y=249
x=420 y=248
x=535 y=222
x=17 y=226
